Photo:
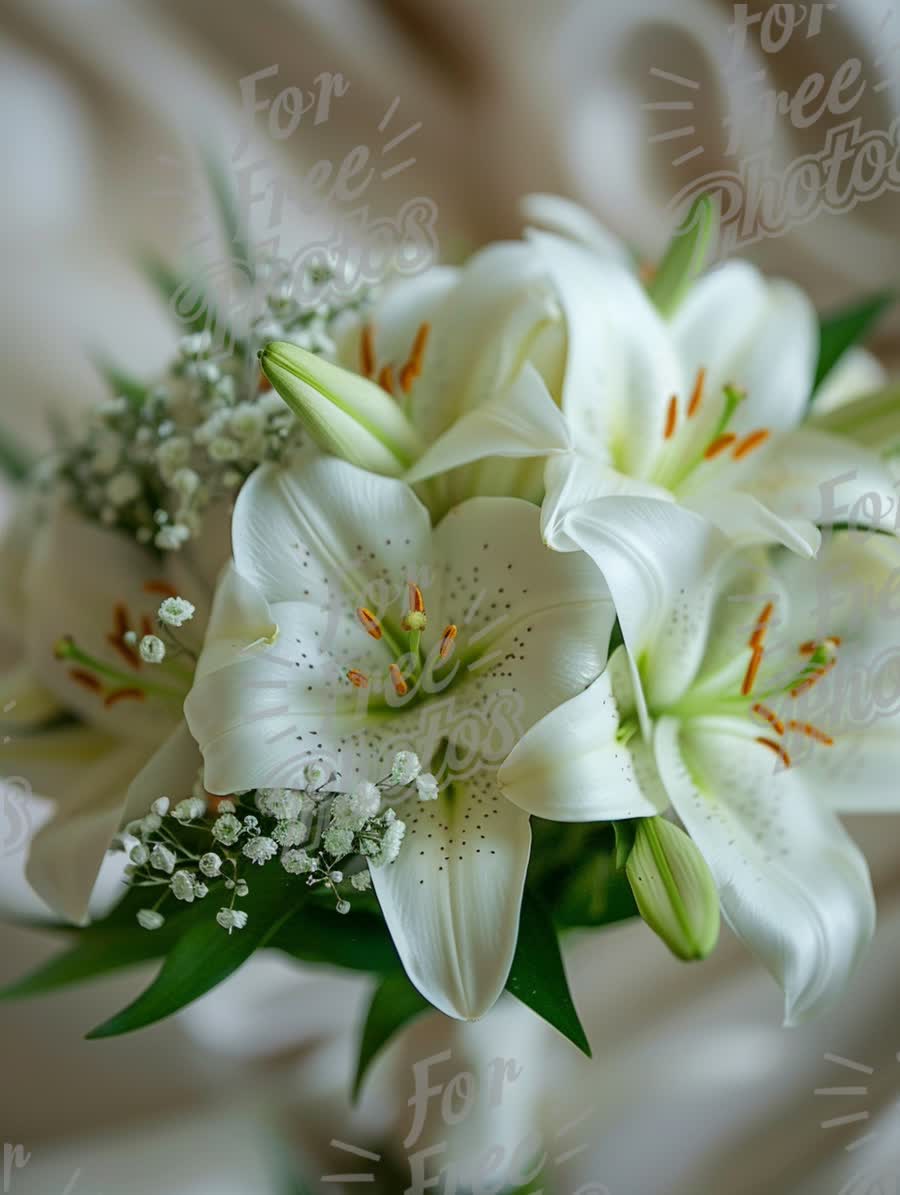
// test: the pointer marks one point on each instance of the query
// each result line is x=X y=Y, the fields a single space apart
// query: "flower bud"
x=673 y=887
x=346 y=414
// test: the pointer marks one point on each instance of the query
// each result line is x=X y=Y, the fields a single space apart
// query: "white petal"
x=452 y=897
x=24 y=703
x=793 y=885
x=573 y=479
x=240 y=624
x=323 y=531
x=169 y=772
x=857 y=373
x=568 y=219
x=76 y=575
x=747 y=521
x=827 y=479
x=648 y=551
x=570 y=767
x=749 y=332
x=67 y=854
x=523 y=421
x=621 y=366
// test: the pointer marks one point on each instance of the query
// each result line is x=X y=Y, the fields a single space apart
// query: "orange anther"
x=448 y=640
x=811 y=732
x=769 y=716
x=719 y=445
x=413 y=366
x=416 y=601
x=163 y=588
x=123 y=695
x=697 y=394
x=671 y=418
x=778 y=749
x=752 y=670
x=401 y=688
x=386 y=379
x=370 y=623
x=86 y=679
x=747 y=445
x=358 y=679
x=762 y=625
x=367 y=352
x=813 y=679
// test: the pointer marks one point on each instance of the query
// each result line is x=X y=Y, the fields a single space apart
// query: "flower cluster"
x=152 y=463
x=204 y=844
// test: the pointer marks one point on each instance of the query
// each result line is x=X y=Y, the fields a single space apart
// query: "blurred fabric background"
x=694 y=1087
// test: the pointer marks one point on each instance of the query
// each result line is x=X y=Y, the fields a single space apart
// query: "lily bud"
x=674 y=889
x=347 y=415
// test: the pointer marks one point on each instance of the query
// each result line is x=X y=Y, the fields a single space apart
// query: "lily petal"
x=572 y=767
x=792 y=883
x=565 y=218
x=452 y=897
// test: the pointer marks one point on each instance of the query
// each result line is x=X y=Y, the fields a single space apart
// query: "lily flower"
x=83 y=712
x=688 y=426
x=393 y=636
x=774 y=704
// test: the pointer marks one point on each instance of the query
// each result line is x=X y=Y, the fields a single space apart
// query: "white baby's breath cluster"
x=153 y=462
x=201 y=844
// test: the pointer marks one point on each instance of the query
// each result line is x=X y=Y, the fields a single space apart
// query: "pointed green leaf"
x=538 y=976
x=207 y=954
x=356 y=941
x=91 y=956
x=394 y=1004
x=233 y=223
x=684 y=258
x=845 y=328
x=15 y=459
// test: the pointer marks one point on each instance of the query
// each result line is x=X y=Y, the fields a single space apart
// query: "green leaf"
x=356 y=941
x=394 y=1004
x=596 y=894
x=207 y=954
x=93 y=955
x=684 y=258
x=538 y=977
x=845 y=328
x=15 y=459
x=226 y=200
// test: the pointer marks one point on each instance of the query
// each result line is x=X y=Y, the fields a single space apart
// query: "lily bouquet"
x=407 y=632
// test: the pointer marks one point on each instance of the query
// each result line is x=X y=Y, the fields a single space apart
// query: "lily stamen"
x=448 y=641
x=370 y=623
x=769 y=716
x=778 y=749
x=697 y=395
x=367 y=352
x=413 y=367
x=811 y=732
x=401 y=688
x=749 y=443
x=671 y=418
x=118 y=695
x=358 y=679
x=386 y=379
x=719 y=445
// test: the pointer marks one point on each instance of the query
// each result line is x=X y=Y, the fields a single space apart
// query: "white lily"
x=774 y=702
x=82 y=713
x=688 y=426
x=392 y=636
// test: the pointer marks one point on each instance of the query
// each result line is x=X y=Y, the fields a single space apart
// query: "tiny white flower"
x=336 y=877
x=316 y=774
x=150 y=823
x=190 y=809
x=150 y=919
x=338 y=841
x=176 y=611
x=139 y=854
x=182 y=885
x=405 y=768
x=290 y=833
x=260 y=850
x=162 y=858
x=242 y=888
x=130 y=638
x=152 y=649
x=366 y=800
x=161 y=806
x=210 y=864
x=427 y=787
x=362 y=881
x=227 y=807
x=226 y=829
x=123 y=488
x=231 y=919
x=343 y=906
x=297 y=862
x=200 y=890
